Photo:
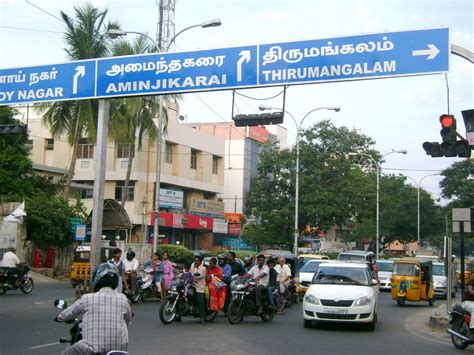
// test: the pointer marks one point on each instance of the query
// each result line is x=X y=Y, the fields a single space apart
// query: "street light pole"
x=297 y=167
x=159 y=141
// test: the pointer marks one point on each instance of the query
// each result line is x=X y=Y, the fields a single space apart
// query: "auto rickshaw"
x=468 y=269
x=412 y=280
x=80 y=267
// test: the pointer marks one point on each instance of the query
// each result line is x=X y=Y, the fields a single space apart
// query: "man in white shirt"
x=11 y=261
x=260 y=273
x=284 y=273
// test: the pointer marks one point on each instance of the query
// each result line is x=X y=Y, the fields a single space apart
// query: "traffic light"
x=258 y=119
x=12 y=129
x=451 y=146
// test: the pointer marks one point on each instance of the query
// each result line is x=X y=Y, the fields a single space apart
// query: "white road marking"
x=44 y=345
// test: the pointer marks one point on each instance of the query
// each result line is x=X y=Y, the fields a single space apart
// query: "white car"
x=385 y=274
x=341 y=292
x=307 y=272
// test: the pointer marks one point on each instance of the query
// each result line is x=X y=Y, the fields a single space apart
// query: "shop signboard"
x=237 y=244
x=171 y=199
x=234 y=228
x=220 y=226
x=206 y=208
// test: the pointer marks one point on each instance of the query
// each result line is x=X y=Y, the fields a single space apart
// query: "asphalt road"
x=26 y=327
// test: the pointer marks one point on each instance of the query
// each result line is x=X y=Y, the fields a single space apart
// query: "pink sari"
x=168 y=274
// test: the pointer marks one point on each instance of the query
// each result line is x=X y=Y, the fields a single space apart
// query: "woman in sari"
x=217 y=288
x=168 y=272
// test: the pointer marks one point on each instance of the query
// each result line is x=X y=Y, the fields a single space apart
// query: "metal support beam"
x=462 y=52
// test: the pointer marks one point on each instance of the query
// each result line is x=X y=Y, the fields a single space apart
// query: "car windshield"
x=350 y=257
x=341 y=276
x=385 y=266
x=406 y=269
x=438 y=270
x=311 y=267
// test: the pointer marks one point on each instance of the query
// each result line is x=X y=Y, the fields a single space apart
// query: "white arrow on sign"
x=431 y=52
x=80 y=72
x=244 y=57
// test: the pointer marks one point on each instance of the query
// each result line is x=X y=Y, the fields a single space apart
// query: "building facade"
x=192 y=174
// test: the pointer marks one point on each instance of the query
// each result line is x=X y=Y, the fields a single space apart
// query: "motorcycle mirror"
x=234 y=277
x=60 y=304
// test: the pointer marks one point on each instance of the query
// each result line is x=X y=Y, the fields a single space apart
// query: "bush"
x=177 y=253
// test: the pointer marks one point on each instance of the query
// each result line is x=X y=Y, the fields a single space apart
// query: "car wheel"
x=308 y=323
x=371 y=326
x=401 y=301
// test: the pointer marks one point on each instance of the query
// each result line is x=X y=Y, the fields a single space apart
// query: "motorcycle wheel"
x=27 y=287
x=431 y=302
x=233 y=314
x=461 y=328
x=135 y=297
x=268 y=315
x=290 y=299
x=210 y=316
x=401 y=301
x=167 y=315
x=146 y=294
x=3 y=290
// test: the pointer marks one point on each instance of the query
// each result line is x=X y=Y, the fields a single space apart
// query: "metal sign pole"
x=449 y=269
x=461 y=238
x=99 y=183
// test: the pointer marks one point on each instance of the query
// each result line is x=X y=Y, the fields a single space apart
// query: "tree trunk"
x=127 y=176
x=72 y=165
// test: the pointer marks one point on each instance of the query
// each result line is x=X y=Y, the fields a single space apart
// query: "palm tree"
x=85 y=38
x=132 y=117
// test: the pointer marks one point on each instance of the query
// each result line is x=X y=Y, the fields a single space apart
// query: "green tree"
x=15 y=166
x=85 y=38
x=331 y=190
x=456 y=184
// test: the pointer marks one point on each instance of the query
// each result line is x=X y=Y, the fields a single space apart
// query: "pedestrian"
x=105 y=315
x=168 y=272
x=217 y=288
x=118 y=263
x=199 y=283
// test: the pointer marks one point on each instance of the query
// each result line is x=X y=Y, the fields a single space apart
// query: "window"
x=215 y=164
x=125 y=151
x=193 y=159
x=169 y=153
x=119 y=188
x=49 y=143
x=85 y=149
x=87 y=194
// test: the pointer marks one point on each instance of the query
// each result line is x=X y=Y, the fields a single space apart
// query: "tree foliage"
x=457 y=186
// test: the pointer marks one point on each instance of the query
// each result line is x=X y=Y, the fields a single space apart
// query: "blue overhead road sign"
x=336 y=59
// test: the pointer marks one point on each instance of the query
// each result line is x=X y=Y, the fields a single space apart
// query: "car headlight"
x=440 y=284
x=363 y=301
x=311 y=299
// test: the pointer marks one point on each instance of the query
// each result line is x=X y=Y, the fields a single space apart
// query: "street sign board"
x=310 y=61
x=80 y=232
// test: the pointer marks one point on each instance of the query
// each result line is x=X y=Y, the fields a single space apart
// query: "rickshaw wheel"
x=401 y=301
x=431 y=302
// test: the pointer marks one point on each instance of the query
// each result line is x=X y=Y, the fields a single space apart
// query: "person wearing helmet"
x=247 y=263
x=105 y=315
x=199 y=283
x=131 y=268
x=225 y=267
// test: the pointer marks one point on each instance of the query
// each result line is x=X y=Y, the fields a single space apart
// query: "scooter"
x=148 y=288
x=459 y=331
x=135 y=296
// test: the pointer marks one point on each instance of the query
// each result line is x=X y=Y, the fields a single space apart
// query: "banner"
x=206 y=208
x=16 y=216
x=220 y=226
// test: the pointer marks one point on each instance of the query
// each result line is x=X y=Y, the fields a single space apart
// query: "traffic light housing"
x=451 y=146
x=12 y=129
x=258 y=119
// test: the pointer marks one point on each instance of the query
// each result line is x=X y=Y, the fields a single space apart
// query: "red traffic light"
x=447 y=121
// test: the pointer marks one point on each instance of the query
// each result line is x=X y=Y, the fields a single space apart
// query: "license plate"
x=335 y=311
x=173 y=292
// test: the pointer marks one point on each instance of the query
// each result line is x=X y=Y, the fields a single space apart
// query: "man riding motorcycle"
x=468 y=304
x=260 y=273
x=105 y=315
x=11 y=261
x=131 y=265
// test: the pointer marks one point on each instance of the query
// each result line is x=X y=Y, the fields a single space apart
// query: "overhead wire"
x=42 y=10
x=29 y=29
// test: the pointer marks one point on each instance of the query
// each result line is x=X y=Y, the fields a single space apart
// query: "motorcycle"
x=148 y=288
x=8 y=280
x=76 y=330
x=459 y=331
x=179 y=303
x=134 y=297
x=244 y=301
x=285 y=297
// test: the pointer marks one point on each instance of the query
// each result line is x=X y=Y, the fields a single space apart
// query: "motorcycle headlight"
x=312 y=299
x=363 y=301
x=173 y=288
x=239 y=287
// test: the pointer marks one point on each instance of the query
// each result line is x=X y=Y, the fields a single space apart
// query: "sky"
x=398 y=113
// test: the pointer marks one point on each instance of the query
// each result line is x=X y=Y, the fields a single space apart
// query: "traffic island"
x=439 y=318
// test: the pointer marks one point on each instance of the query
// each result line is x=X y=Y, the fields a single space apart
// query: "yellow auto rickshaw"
x=80 y=267
x=468 y=270
x=412 y=280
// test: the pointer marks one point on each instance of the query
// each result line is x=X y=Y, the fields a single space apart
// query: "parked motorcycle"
x=244 y=302
x=134 y=297
x=179 y=304
x=148 y=288
x=459 y=331
x=8 y=280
